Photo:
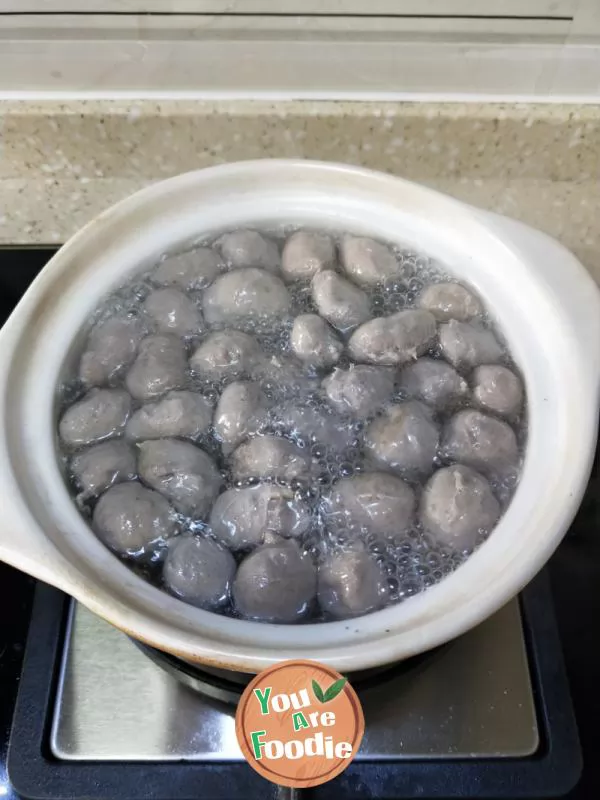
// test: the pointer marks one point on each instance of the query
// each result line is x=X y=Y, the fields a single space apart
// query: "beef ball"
x=102 y=465
x=182 y=472
x=370 y=503
x=184 y=414
x=192 y=270
x=275 y=583
x=241 y=412
x=340 y=302
x=351 y=584
x=434 y=382
x=246 y=248
x=110 y=349
x=246 y=298
x=131 y=519
x=497 y=389
x=198 y=571
x=314 y=342
x=306 y=253
x=480 y=441
x=368 y=262
x=448 y=301
x=172 y=312
x=269 y=457
x=226 y=354
x=457 y=506
x=393 y=340
x=359 y=390
x=241 y=518
x=466 y=346
x=160 y=366
x=100 y=414
x=403 y=439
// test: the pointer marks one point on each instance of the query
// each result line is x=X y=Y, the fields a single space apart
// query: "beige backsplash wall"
x=62 y=163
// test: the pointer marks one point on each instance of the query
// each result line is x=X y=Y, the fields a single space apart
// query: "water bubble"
x=432 y=559
x=408 y=589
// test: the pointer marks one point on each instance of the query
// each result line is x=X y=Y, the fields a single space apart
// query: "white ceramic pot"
x=544 y=301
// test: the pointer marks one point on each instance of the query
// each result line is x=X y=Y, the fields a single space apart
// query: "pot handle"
x=23 y=543
x=572 y=284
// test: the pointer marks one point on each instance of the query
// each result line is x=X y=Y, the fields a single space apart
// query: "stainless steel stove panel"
x=472 y=700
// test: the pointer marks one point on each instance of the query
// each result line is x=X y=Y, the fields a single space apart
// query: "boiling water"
x=410 y=561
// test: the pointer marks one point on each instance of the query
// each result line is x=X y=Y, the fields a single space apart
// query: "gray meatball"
x=173 y=312
x=198 y=571
x=393 y=340
x=497 y=389
x=195 y=269
x=182 y=472
x=373 y=503
x=360 y=390
x=246 y=248
x=270 y=457
x=241 y=518
x=110 y=349
x=100 y=414
x=305 y=254
x=160 y=366
x=368 y=262
x=226 y=354
x=351 y=584
x=340 y=302
x=404 y=438
x=241 y=412
x=450 y=301
x=480 y=441
x=184 y=414
x=246 y=297
x=102 y=465
x=314 y=342
x=457 y=505
x=275 y=583
x=466 y=346
x=434 y=382
x=131 y=519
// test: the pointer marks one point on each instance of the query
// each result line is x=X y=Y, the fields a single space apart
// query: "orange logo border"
x=243 y=735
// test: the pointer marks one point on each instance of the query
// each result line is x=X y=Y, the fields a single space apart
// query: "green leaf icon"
x=330 y=693
x=334 y=689
x=318 y=691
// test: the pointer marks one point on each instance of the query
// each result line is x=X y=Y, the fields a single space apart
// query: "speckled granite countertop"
x=62 y=163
